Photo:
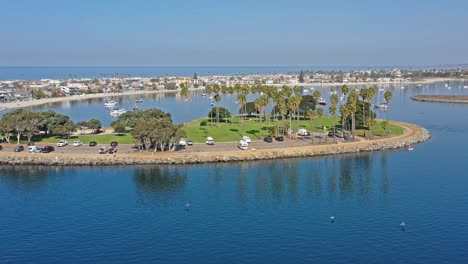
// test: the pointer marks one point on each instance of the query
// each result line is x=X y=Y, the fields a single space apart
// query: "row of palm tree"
x=288 y=100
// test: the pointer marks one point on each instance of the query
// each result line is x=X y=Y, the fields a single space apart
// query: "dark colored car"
x=331 y=134
x=268 y=139
x=92 y=143
x=112 y=150
x=47 y=149
x=114 y=144
x=279 y=138
x=30 y=143
x=18 y=149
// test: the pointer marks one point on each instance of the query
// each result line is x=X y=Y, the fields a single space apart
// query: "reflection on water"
x=160 y=181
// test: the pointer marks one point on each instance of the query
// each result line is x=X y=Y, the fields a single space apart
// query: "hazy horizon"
x=206 y=33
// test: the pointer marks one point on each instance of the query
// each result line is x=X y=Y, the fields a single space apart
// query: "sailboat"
x=379 y=104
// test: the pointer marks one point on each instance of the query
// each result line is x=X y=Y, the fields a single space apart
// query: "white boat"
x=109 y=104
x=117 y=112
x=381 y=105
x=139 y=100
x=203 y=94
x=402 y=87
x=321 y=101
x=409 y=148
x=446 y=85
x=465 y=86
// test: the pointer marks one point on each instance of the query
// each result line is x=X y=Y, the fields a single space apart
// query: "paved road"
x=197 y=147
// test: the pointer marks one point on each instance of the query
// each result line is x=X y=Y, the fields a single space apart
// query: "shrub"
x=203 y=123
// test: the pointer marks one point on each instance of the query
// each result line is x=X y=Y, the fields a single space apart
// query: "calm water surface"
x=258 y=212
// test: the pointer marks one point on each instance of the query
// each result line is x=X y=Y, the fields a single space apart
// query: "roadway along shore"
x=220 y=152
x=21 y=104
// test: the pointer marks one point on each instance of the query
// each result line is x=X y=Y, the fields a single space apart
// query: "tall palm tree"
x=319 y=113
x=217 y=99
x=388 y=97
x=352 y=107
x=242 y=101
x=370 y=97
x=334 y=100
x=345 y=90
x=310 y=115
x=363 y=93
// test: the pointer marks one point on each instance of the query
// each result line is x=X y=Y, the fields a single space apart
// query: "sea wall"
x=456 y=99
x=413 y=134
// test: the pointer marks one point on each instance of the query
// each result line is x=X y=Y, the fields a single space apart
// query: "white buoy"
x=402 y=225
x=332 y=219
x=187 y=206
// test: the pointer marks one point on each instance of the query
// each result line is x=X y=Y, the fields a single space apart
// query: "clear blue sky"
x=237 y=32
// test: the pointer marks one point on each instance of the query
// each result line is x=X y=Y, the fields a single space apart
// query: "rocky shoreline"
x=413 y=134
x=457 y=99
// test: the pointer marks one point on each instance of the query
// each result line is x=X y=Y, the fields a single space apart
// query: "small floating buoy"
x=187 y=206
x=332 y=219
x=402 y=225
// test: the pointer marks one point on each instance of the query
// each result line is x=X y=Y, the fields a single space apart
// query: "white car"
x=62 y=143
x=246 y=139
x=209 y=141
x=77 y=143
x=32 y=148
x=243 y=145
x=182 y=142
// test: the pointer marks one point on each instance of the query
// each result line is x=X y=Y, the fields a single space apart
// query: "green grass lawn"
x=257 y=130
x=225 y=131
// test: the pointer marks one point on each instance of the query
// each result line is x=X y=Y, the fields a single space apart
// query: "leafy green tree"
x=273 y=130
x=94 y=124
x=82 y=126
x=301 y=76
x=219 y=113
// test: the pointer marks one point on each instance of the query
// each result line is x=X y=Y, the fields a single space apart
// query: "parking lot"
x=314 y=139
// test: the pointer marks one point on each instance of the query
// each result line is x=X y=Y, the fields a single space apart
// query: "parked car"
x=102 y=150
x=32 y=148
x=62 y=143
x=47 y=149
x=279 y=138
x=190 y=142
x=303 y=132
x=92 y=143
x=246 y=139
x=18 y=149
x=209 y=141
x=30 y=143
x=112 y=150
x=268 y=139
x=37 y=150
x=182 y=142
x=77 y=143
x=243 y=145
x=114 y=143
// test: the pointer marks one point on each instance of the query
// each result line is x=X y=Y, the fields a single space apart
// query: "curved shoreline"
x=413 y=134
x=20 y=104
x=456 y=99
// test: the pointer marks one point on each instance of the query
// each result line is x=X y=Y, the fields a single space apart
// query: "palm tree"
x=242 y=101
x=319 y=113
x=258 y=107
x=217 y=98
x=310 y=115
x=344 y=90
x=332 y=109
x=388 y=97
x=370 y=97
x=352 y=107
x=363 y=93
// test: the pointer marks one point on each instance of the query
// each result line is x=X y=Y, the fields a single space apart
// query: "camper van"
x=243 y=145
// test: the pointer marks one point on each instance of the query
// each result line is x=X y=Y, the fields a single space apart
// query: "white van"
x=209 y=141
x=243 y=145
x=303 y=132
x=246 y=139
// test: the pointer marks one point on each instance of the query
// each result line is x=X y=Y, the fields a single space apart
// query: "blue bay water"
x=256 y=212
